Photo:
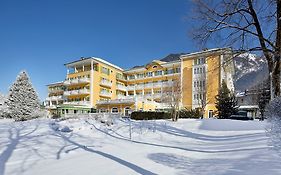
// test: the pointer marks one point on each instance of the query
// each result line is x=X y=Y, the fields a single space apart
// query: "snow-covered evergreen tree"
x=225 y=102
x=3 y=106
x=22 y=100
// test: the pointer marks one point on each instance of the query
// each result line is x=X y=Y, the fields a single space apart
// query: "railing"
x=157 y=96
x=76 y=92
x=121 y=87
x=130 y=88
x=105 y=93
x=84 y=91
x=86 y=103
x=120 y=78
x=140 y=86
x=84 y=80
x=55 y=90
x=106 y=83
x=121 y=96
x=116 y=101
x=76 y=81
x=55 y=98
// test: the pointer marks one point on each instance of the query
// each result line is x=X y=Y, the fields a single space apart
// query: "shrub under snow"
x=273 y=113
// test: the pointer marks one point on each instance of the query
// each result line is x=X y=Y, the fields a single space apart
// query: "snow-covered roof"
x=55 y=83
x=88 y=60
x=249 y=107
x=209 y=51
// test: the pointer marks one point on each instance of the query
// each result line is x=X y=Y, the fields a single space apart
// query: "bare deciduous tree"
x=245 y=25
x=172 y=97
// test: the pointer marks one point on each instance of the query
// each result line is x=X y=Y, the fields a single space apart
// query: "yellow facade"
x=95 y=83
x=217 y=66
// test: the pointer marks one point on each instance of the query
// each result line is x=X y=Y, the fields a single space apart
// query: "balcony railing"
x=120 y=78
x=76 y=81
x=130 y=88
x=121 y=87
x=85 y=103
x=119 y=96
x=105 y=93
x=84 y=80
x=140 y=86
x=54 y=98
x=116 y=101
x=157 y=96
x=84 y=91
x=77 y=92
x=106 y=83
x=55 y=90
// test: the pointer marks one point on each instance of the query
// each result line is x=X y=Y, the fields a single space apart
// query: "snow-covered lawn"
x=195 y=147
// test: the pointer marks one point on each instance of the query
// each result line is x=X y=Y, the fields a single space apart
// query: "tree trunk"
x=276 y=71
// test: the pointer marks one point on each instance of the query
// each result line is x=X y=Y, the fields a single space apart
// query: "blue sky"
x=40 y=36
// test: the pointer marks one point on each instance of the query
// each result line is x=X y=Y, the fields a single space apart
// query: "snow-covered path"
x=200 y=147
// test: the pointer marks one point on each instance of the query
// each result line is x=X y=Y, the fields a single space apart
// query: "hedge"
x=150 y=115
x=186 y=113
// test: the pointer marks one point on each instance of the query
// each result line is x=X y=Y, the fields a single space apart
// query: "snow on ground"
x=86 y=146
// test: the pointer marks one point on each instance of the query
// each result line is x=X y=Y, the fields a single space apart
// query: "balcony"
x=149 y=85
x=105 y=94
x=139 y=86
x=130 y=88
x=121 y=78
x=157 y=96
x=76 y=81
x=84 y=91
x=84 y=103
x=84 y=80
x=148 y=96
x=119 y=96
x=116 y=101
x=105 y=83
x=77 y=92
x=55 y=98
x=55 y=90
x=121 y=87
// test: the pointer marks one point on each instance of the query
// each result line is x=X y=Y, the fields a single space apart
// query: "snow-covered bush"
x=40 y=113
x=22 y=100
x=273 y=114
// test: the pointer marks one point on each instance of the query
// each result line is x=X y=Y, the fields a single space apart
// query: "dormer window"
x=154 y=67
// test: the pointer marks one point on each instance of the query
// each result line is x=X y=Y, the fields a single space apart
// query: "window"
x=199 y=61
x=154 y=67
x=131 y=77
x=140 y=75
x=177 y=70
x=103 y=110
x=170 y=71
x=114 y=110
x=105 y=70
x=149 y=74
x=159 y=72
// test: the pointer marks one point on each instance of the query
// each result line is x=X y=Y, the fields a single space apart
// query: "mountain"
x=172 y=57
x=250 y=69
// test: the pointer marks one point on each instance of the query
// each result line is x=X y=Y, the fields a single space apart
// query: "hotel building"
x=95 y=85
